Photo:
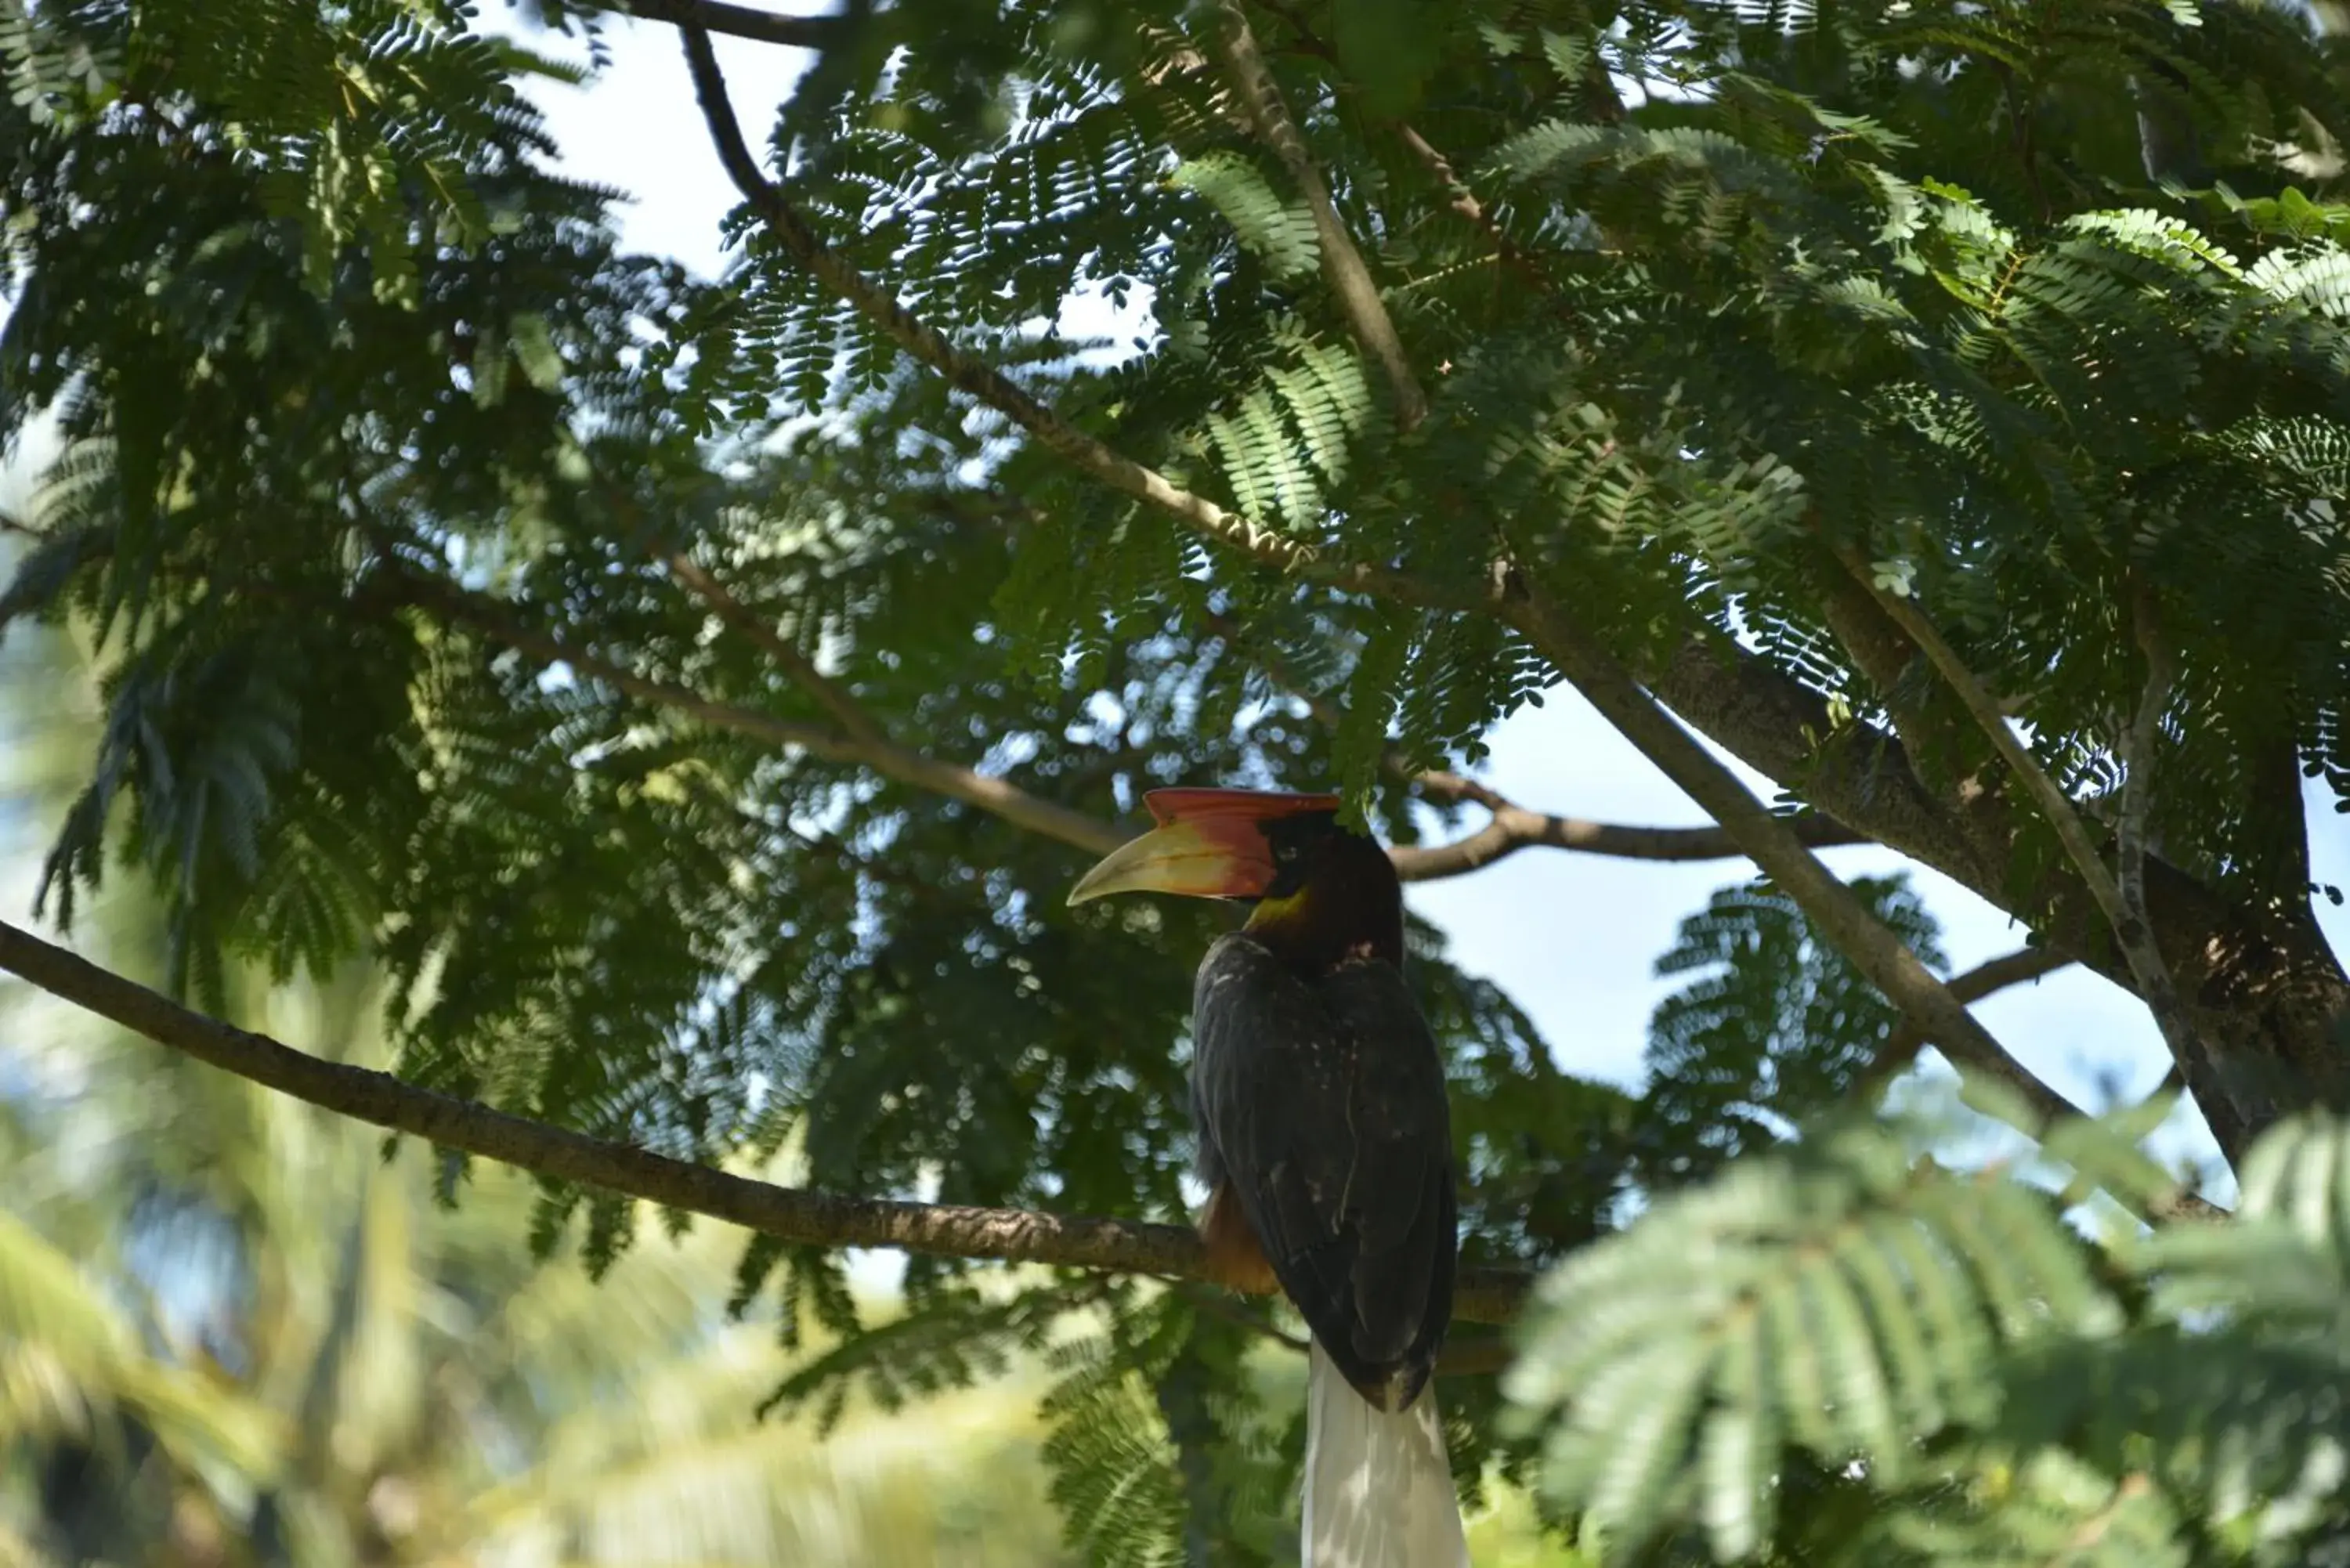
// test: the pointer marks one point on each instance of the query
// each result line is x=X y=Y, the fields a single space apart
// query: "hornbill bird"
x=1325 y=1144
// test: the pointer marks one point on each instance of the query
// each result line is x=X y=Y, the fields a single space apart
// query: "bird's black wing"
x=1322 y=1103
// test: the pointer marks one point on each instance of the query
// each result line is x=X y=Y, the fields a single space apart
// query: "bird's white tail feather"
x=1378 y=1487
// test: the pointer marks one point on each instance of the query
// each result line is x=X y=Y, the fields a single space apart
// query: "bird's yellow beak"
x=1224 y=859
x=1209 y=844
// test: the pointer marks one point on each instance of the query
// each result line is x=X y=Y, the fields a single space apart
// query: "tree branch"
x=2124 y=910
x=743 y=22
x=829 y=695
x=1342 y=261
x=2281 y=984
x=1991 y=976
x=1776 y=846
x=793 y=1214
x=2018 y=968
x=999 y=797
x=984 y=381
x=1511 y=826
x=1514 y=827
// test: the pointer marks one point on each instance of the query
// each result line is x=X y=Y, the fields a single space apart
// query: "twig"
x=1463 y=201
x=793 y=1214
x=2133 y=931
x=829 y=695
x=1342 y=261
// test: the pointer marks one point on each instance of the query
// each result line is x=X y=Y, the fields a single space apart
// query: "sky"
x=1574 y=937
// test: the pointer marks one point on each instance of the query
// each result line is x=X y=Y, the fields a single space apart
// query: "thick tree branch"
x=1776 y=846
x=1986 y=978
x=1342 y=261
x=793 y=1214
x=743 y=22
x=2124 y=910
x=2275 y=981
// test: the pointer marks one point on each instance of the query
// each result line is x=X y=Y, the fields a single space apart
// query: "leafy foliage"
x=1770 y=1021
x=388 y=480
x=2006 y=1390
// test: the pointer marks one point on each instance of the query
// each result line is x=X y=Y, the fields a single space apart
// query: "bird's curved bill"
x=1209 y=844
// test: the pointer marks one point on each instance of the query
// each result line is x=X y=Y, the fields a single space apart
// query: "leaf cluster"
x=1841 y=1352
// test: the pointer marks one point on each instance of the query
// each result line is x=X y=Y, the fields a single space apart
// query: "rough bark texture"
x=2264 y=985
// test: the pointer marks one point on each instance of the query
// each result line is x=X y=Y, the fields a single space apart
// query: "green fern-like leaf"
x=1276 y=228
x=1840 y=1297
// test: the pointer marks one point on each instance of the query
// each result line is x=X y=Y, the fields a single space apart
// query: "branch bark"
x=2123 y=907
x=1342 y=261
x=793 y=1214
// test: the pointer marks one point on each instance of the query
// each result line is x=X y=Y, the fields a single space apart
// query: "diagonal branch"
x=2124 y=910
x=1342 y=261
x=829 y=695
x=800 y=241
x=1514 y=827
x=1774 y=844
x=793 y=1214
x=999 y=797
x=1986 y=978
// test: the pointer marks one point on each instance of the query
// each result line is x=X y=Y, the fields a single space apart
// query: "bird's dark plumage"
x=1320 y=1100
